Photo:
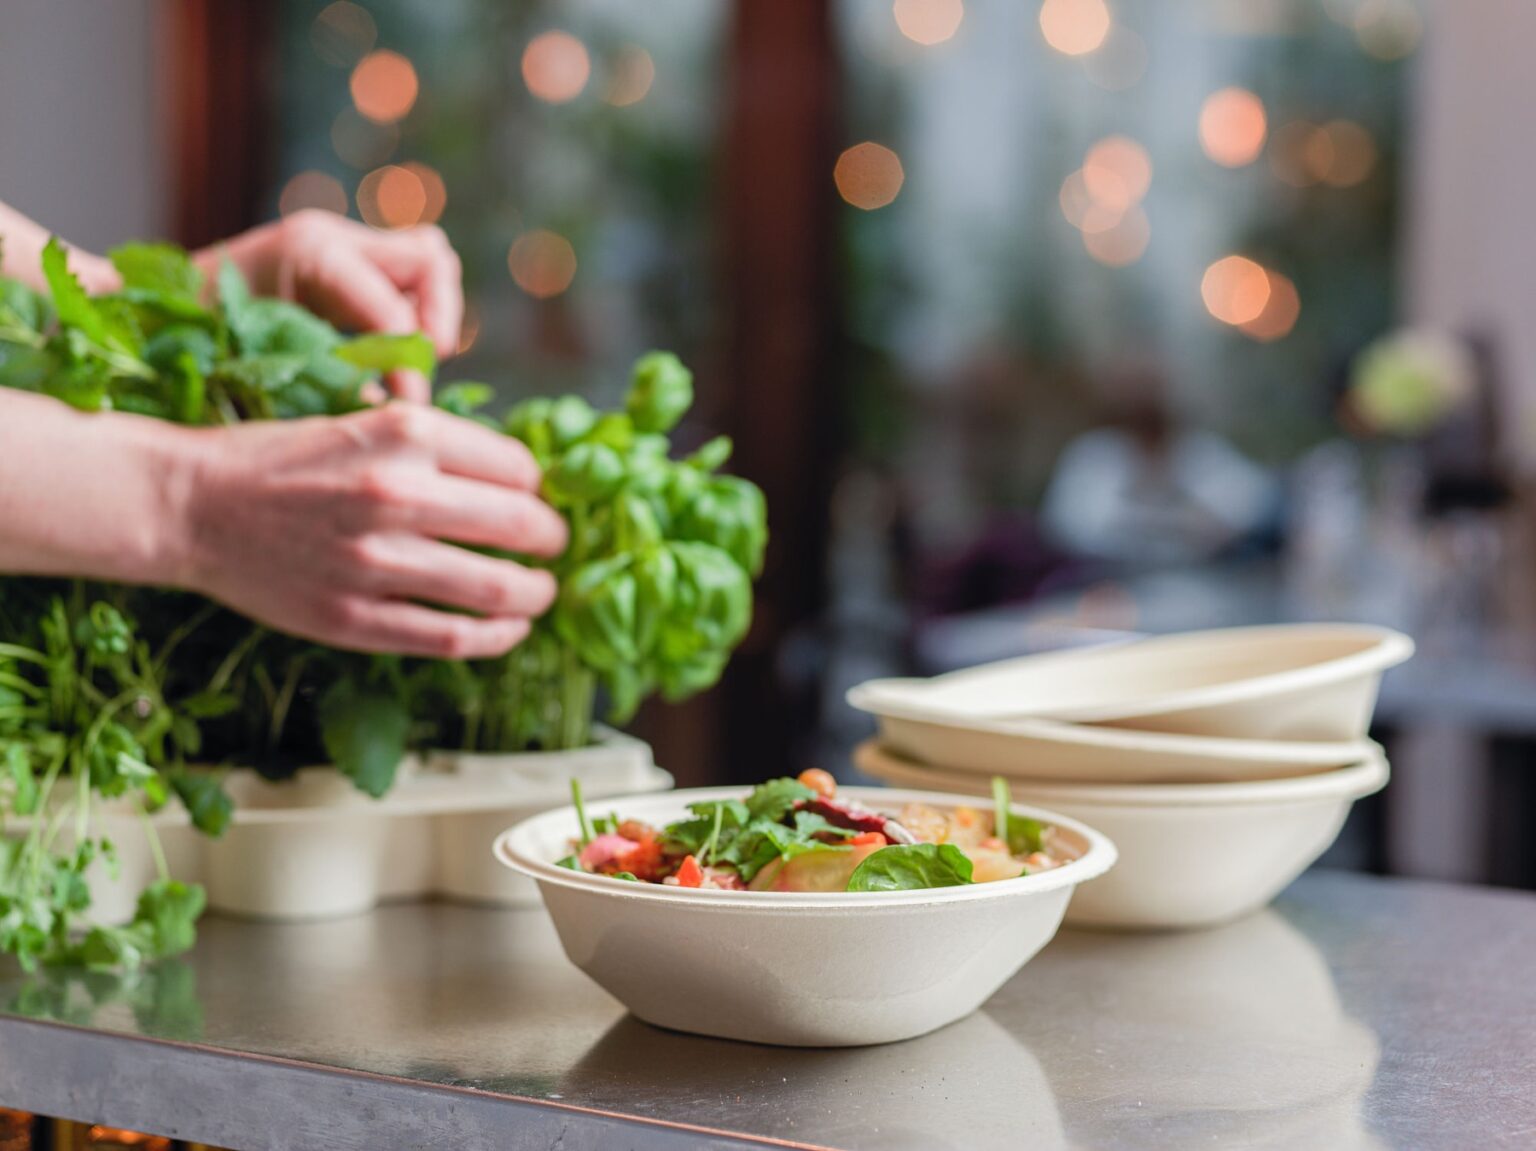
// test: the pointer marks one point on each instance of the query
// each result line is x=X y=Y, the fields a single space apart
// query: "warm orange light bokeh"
x=312 y=190
x=432 y=187
x=630 y=77
x=1233 y=126
x=1117 y=172
x=929 y=21
x=556 y=67
x=1235 y=290
x=542 y=262
x=1354 y=153
x=391 y=197
x=1281 y=311
x=343 y=33
x=1074 y=27
x=868 y=175
x=1123 y=242
x=1290 y=153
x=1074 y=199
x=384 y=86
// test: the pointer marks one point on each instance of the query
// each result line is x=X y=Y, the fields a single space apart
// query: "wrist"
x=174 y=462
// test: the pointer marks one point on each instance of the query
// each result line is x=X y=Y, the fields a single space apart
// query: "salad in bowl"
x=734 y=912
x=798 y=835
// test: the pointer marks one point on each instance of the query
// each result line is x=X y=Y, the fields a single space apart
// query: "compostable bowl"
x=1311 y=682
x=836 y=969
x=1045 y=749
x=1191 y=854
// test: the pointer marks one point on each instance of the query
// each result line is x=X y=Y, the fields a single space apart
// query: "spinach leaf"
x=912 y=866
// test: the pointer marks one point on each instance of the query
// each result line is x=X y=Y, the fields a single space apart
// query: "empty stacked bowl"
x=1221 y=763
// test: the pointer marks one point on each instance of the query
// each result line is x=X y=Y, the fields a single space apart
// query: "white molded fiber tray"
x=315 y=847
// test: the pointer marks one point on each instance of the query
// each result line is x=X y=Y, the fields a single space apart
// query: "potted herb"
x=655 y=591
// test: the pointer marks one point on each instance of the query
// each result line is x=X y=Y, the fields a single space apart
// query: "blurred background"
x=1039 y=322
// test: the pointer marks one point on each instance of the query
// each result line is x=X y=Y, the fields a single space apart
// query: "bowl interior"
x=533 y=845
x=1140 y=676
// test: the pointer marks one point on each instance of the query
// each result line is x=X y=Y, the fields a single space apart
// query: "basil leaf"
x=912 y=866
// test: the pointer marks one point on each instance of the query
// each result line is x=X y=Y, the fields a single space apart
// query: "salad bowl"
x=807 y=969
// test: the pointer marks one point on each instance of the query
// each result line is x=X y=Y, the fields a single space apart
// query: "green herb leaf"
x=158 y=268
x=364 y=730
x=911 y=866
x=381 y=352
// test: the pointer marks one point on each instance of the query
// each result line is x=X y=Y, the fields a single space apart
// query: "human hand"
x=333 y=529
x=357 y=278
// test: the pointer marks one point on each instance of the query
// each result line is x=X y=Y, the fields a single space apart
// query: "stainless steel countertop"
x=1357 y=1013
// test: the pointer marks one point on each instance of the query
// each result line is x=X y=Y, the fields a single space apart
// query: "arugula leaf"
x=912 y=866
x=364 y=731
x=382 y=352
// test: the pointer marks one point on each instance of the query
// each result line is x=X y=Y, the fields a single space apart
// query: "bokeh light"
x=630 y=76
x=1388 y=29
x=556 y=67
x=1232 y=127
x=469 y=330
x=1074 y=27
x=343 y=33
x=1117 y=172
x=432 y=187
x=312 y=189
x=361 y=143
x=1121 y=243
x=1235 y=290
x=391 y=197
x=1281 y=311
x=542 y=262
x=384 y=86
x=1354 y=153
x=1291 y=153
x=929 y=21
x=1119 y=63
x=1074 y=199
x=868 y=175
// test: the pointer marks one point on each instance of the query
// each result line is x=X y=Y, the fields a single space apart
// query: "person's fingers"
x=470 y=449
x=401 y=565
x=420 y=261
x=413 y=387
x=348 y=289
x=400 y=628
x=468 y=512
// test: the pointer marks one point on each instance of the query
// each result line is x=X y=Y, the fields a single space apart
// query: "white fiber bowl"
x=1045 y=749
x=1191 y=854
x=1313 y=682
x=835 y=969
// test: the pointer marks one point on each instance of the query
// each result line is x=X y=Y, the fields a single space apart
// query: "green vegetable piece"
x=1000 y=803
x=464 y=398
x=712 y=455
x=18 y=767
x=571 y=862
x=158 y=268
x=730 y=513
x=73 y=306
x=581 y=811
x=912 y=866
x=773 y=800
x=570 y=418
x=524 y=416
x=382 y=352
x=587 y=473
x=660 y=392
x=595 y=613
x=202 y=794
x=364 y=730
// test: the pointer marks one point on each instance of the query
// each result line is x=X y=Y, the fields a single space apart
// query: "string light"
x=542 y=263
x=1075 y=27
x=929 y=21
x=1235 y=290
x=1354 y=153
x=384 y=86
x=556 y=67
x=433 y=189
x=1281 y=311
x=868 y=175
x=1117 y=172
x=312 y=189
x=343 y=33
x=1233 y=127
x=391 y=197
x=631 y=77
x=1122 y=243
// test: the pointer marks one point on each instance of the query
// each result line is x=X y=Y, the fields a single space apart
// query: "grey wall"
x=83 y=139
